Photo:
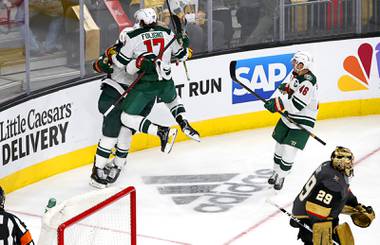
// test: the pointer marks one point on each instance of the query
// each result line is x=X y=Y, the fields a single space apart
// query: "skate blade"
x=193 y=137
x=98 y=185
x=172 y=135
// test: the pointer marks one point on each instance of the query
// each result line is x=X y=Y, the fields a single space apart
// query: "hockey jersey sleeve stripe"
x=317 y=210
x=123 y=59
x=181 y=53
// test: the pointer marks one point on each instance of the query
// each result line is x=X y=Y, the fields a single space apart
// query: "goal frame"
x=130 y=191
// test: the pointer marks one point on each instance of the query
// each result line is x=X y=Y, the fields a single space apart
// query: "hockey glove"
x=110 y=52
x=184 y=40
x=274 y=105
x=102 y=65
x=285 y=89
x=145 y=62
x=364 y=216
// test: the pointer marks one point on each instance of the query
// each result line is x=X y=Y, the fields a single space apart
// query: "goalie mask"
x=148 y=16
x=342 y=160
x=302 y=57
x=2 y=197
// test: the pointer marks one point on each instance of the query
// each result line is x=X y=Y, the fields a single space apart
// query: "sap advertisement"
x=345 y=70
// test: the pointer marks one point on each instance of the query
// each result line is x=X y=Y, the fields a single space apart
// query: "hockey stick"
x=233 y=76
x=176 y=22
x=291 y=216
x=123 y=95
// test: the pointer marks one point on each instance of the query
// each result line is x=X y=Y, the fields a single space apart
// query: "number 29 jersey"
x=324 y=194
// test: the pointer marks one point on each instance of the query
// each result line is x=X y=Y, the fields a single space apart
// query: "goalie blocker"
x=322 y=199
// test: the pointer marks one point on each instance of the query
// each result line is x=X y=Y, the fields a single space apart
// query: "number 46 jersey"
x=324 y=195
x=302 y=103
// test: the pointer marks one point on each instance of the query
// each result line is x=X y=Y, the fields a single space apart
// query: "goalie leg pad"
x=322 y=233
x=344 y=234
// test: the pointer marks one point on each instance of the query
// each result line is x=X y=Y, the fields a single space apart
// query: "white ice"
x=250 y=221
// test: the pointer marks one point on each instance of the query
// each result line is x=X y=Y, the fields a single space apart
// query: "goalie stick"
x=233 y=76
x=291 y=216
x=123 y=95
x=176 y=22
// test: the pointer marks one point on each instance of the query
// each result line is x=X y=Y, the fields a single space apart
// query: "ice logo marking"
x=263 y=75
x=359 y=69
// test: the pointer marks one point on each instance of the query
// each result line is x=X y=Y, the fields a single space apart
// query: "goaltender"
x=326 y=195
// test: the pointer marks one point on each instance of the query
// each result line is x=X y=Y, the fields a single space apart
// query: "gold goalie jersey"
x=324 y=195
x=302 y=103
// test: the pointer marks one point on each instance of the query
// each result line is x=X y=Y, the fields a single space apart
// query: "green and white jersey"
x=120 y=74
x=302 y=104
x=149 y=40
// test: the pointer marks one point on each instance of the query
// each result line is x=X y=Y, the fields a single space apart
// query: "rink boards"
x=59 y=131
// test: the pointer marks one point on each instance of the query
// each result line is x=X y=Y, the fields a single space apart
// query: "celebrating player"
x=326 y=195
x=114 y=134
x=145 y=51
x=299 y=102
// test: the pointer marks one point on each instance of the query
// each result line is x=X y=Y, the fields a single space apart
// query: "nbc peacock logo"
x=359 y=69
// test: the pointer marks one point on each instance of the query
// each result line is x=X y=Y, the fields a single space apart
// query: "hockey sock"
x=139 y=123
x=276 y=162
x=122 y=147
x=176 y=107
x=104 y=151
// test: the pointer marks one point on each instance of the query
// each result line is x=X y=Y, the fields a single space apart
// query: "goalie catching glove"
x=361 y=215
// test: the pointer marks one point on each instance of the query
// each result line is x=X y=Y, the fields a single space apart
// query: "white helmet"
x=147 y=15
x=303 y=57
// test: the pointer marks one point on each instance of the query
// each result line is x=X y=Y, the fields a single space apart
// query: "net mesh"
x=109 y=225
x=99 y=217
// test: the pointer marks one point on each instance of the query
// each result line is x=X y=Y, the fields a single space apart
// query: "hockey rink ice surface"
x=215 y=192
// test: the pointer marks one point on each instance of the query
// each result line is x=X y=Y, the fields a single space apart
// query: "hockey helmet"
x=2 y=197
x=302 y=57
x=342 y=160
x=148 y=16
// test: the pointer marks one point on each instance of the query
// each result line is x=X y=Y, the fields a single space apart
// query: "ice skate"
x=98 y=178
x=272 y=179
x=113 y=173
x=279 y=183
x=189 y=131
x=167 y=137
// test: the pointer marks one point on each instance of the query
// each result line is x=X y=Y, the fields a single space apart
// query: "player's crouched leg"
x=142 y=124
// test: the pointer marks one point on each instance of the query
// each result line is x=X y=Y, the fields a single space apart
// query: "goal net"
x=99 y=217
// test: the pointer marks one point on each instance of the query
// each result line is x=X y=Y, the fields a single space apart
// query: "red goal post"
x=106 y=216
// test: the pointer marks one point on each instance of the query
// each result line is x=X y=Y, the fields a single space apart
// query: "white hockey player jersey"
x=302 y=103
x=120 y=74
x=149 y=40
